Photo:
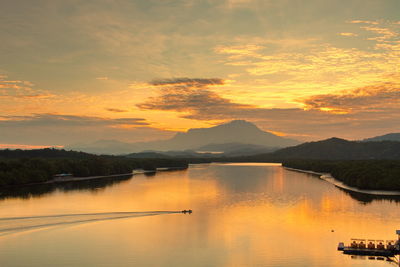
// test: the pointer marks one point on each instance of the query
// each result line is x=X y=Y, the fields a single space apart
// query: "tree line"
x=42 y=167
x=363 y=174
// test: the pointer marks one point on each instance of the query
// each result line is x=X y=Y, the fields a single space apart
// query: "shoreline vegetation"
x=26 y=167
x=363 y=176
x=328 y=178
x=99 y=177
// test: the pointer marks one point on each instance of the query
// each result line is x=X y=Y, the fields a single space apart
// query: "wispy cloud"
x=277 y=52
x=55 y=120
x=64 y=129
x=238 y=3
x=191 y=96
x=375 y=98
x=239 y=51
x=349 y=34
x=10 y=89
x=382 y=32
x=366 y=110
x=188 y=82
x=316 y=66
x=117 y=110
x=365 y=22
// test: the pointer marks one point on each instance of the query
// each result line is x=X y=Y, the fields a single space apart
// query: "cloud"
x=238 y=3
x=16 y=89
x=62 y=129
x=348 y=34
x=239 y=51
x=191 y=96
x=55 y=120
x=380 y=97
x=315 y=65
x=117 y=110
x=188 y=82
x=204 y=104
x=365 y=22
x=364 y=111
x=384 y=33
x=256 y=41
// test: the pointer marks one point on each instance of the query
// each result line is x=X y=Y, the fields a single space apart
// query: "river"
x=247 y=214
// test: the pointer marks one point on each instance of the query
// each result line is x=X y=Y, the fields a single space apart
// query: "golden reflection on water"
x=244 y=215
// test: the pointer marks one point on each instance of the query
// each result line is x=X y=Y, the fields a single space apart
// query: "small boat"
x=187 y=211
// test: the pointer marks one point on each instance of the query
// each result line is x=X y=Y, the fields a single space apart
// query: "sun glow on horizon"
x=21 y=146
x=243 y=63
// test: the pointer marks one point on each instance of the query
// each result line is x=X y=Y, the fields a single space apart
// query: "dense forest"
x=340 y=149
x=34 y=166
x=363 y=174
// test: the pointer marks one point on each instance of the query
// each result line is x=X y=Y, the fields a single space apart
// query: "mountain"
x=386 y=137
x=238 y=131
x=340 y=149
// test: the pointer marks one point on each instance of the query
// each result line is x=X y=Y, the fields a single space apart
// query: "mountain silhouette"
x=237 y=131
x=340 y=149
x=386 y=137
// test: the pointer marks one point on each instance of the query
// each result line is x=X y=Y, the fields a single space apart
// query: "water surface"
x=244 y=215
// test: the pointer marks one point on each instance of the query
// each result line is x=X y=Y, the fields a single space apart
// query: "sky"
x=78 y=71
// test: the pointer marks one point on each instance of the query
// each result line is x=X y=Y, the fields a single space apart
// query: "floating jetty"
x=369 y=247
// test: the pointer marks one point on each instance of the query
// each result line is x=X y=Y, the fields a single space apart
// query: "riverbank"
x=330 y=179
x=134 y=172
x=123 y=175
x=76 y=179
x=67 y=179
x=22 y=168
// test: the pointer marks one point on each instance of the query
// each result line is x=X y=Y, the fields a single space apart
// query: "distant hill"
x=147 y=155
x=171 y=154
x=386 y=137
x=208 y=151
x=329 y=149
x=235 y=132
x=340 y=149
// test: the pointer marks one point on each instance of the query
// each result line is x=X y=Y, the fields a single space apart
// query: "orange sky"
x=137 y=70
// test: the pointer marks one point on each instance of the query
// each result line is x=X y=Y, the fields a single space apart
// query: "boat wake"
x=12 y=225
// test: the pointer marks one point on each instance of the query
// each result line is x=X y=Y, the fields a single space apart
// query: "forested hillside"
x=340 y=149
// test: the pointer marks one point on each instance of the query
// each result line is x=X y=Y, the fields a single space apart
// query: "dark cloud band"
x=188 y=81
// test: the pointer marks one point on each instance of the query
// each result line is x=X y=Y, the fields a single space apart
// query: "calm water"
x=244 y=215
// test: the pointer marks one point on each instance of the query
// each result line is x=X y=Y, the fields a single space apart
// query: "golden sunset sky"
x=81 y=70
